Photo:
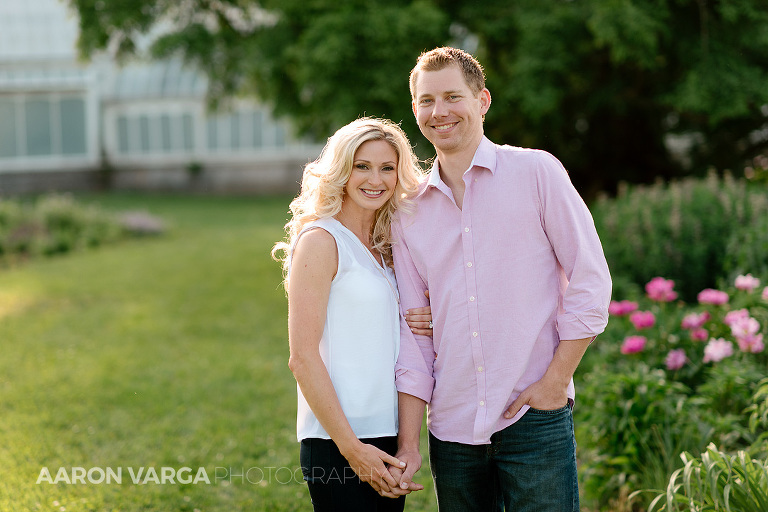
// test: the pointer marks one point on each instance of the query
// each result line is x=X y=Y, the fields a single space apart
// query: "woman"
x=344 y=314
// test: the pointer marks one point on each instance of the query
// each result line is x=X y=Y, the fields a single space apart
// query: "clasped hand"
x=382 y=471
x=403 y=475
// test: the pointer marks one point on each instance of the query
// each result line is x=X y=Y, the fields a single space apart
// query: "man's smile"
x=444 y=127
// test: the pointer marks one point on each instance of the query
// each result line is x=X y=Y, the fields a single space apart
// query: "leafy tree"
x=600 y=84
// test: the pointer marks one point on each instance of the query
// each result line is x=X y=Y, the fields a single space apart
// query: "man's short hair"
x=441 y=58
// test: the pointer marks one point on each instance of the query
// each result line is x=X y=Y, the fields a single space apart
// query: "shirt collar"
x=485 y=157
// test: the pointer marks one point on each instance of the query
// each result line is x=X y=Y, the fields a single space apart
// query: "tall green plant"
x=715 y=481
x=680 y=230
x=758 y=420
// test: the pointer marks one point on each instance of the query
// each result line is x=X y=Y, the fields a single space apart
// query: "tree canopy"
x=600 y=84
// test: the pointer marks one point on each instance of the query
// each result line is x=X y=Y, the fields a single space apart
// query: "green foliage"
x=599 y=84
x=726 y=394
x=10 y=220
x=716 y=481
x=758 y=420
x=70 y=226
x=747 y=247
x=633 y=423
x=681 y=230
x=323 y=63
x=56 y=224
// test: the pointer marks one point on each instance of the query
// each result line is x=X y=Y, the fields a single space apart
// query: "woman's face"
x=374 y=175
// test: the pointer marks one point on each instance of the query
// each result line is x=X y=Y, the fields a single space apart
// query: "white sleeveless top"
x=360 y=341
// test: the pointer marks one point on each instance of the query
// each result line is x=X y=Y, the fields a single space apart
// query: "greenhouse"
x=68 y=124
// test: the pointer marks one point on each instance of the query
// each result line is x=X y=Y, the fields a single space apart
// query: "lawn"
x=166 y=352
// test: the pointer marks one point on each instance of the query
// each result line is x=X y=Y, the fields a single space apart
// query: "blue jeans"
x=529 y=466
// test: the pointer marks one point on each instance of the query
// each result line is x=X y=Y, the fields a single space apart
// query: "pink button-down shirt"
x=517 y=269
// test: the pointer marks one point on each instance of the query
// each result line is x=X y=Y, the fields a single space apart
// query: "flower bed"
x=669 y=377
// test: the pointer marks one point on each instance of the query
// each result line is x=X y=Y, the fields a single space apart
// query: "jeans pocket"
x=565 y=408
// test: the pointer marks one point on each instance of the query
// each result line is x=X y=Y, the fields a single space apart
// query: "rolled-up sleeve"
x=583 y=311
x=413 y=370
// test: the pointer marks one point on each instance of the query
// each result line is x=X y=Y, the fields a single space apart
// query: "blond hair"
x=323 y=182
x=441 y=58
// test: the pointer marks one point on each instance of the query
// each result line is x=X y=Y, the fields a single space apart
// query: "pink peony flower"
x=621 y=308
x=694 y=320
x=642 y=319
x=699 y=334
x=717 y=350
x=633 y=344
x=747 y=282
x=765 y=293
x=744 y=327
x=676 y=359
x=710 y=296
x=752 y=343
x=733 y=316
x=660 y=289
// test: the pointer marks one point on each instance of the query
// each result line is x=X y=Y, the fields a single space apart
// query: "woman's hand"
x=405 y=475
x=370 y=465
x=420 y=319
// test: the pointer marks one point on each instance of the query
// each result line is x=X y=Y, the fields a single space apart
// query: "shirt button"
x=469 y=263
x=472 y=299
x=466 y=230
x=479 y=368
x=474 y=334
x=482 y=402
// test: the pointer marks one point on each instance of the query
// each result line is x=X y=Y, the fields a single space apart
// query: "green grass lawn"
x=160 y=352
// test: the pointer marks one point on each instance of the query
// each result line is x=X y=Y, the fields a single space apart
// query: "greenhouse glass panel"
x=258 y=122
x=122 y=134
x=165 y=133
x=37 y=117
x=7 y=128
x=73 y=126
x=213 y=135
x=234 y=133
x=144 y=133
x=189 y=131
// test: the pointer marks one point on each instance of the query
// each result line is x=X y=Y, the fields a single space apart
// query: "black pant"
x=334 y=486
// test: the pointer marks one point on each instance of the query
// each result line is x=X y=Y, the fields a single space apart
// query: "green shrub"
x=680 y=230
x=10 y=217
x=56 y=224
x=634 y=423
x=747 y=250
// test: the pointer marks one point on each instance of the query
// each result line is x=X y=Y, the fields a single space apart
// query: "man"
x=519 y=288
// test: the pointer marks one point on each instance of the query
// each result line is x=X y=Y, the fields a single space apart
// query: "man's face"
x=449 y=115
